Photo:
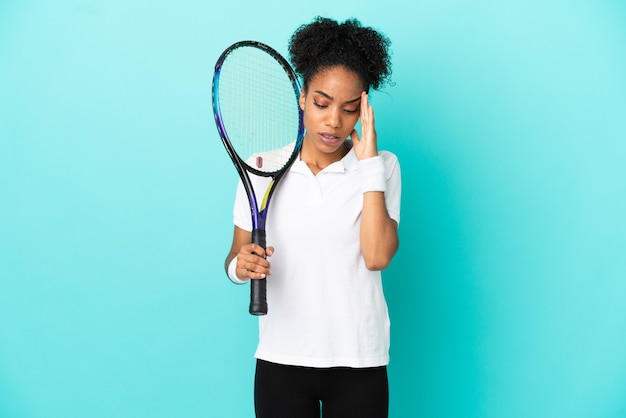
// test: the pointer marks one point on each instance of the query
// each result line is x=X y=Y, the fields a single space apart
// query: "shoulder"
x=390 y=160
x=388 y=156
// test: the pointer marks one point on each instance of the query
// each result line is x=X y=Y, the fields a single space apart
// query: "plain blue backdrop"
x=507 y=296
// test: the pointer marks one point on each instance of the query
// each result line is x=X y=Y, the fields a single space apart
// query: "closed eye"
x=322 y=106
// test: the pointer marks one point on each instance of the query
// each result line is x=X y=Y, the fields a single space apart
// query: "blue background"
x=507 y=296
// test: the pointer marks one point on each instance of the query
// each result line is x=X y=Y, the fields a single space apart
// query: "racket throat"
x=267 y=195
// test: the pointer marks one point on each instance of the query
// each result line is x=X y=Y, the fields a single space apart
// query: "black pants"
x=303 y=392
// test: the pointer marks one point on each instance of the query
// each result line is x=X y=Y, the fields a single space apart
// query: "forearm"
x=379 y=232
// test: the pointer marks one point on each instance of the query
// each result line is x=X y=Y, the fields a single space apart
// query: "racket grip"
x=258 y=289
x=258 y=301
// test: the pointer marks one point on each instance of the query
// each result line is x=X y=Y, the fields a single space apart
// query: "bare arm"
x=379 y=232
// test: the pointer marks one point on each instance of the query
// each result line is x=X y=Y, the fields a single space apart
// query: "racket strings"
x=258 y=110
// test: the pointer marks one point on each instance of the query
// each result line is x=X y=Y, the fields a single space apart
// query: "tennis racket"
x=255 y=104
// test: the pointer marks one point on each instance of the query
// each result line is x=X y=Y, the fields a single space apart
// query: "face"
x=331 y=109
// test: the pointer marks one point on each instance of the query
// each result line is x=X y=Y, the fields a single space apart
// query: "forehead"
x=337 y=81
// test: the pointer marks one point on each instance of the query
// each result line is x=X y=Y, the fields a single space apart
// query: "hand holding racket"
x=255 y=104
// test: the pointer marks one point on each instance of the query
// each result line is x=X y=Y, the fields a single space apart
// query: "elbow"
x=378 y=261
x=377 y=254
x=377 y=265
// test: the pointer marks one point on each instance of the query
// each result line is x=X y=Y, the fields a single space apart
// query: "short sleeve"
x=394 y=184
x=241 y=209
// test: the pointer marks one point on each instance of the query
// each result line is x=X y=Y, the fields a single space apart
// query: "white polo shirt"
x=325 y=308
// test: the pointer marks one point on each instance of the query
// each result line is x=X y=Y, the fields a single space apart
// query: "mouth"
x=329 y=138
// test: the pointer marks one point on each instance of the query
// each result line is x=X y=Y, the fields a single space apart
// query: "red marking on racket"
x=259 y=162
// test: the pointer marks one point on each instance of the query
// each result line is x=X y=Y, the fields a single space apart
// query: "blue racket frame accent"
x=258 y=215
x=258 y=304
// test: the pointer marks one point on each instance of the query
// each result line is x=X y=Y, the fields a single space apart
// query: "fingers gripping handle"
x=258 y=301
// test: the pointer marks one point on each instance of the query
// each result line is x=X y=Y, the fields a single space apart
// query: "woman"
x=324 y=344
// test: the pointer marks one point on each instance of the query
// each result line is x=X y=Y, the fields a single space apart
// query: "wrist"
x=232 y=272
x=372 y=173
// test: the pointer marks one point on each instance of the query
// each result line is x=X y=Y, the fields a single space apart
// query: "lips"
x=329 y=138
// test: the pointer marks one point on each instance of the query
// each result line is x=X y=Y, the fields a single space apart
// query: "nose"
x=333 y=119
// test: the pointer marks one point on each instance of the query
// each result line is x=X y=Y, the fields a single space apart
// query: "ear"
x=302 y=99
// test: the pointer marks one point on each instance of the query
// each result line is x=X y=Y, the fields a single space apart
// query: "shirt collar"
x=348 y=163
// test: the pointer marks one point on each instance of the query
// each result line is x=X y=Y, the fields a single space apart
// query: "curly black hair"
x=326 y=43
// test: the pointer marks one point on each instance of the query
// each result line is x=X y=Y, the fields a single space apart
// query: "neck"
x=317 y=161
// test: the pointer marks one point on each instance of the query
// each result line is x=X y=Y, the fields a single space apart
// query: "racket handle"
x=258 y=290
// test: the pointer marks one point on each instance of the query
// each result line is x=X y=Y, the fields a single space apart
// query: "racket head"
x=256 y=109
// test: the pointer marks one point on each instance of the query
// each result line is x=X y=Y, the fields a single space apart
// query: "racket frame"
x=258 y=302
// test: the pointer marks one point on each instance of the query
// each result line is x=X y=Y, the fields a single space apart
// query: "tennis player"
x=324 y=344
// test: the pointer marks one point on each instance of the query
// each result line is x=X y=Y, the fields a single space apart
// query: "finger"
x=255 y=249
x=365 y=107
x=256 y=268
x=255 y=275
x=251 y=275
x=255 y=260
x=367 y=113
x=364 y=104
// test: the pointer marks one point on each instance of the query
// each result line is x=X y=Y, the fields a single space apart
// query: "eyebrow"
x=328 y=96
